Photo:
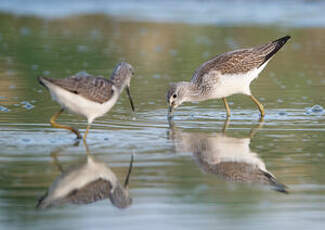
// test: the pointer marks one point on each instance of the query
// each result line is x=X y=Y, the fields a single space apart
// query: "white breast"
x=229 y=84
x=80 y=105
x=229 y=149
x=219 y=148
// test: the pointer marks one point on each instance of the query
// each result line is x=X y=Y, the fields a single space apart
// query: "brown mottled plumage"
x=92 y=192
x=240 y=172
x=240 y=61
x=97 y=89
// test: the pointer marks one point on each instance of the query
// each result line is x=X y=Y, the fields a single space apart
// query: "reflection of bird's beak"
x=171 y=110
x=130 y=97
x=129 y=172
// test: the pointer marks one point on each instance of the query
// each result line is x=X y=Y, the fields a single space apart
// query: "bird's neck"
x=119 y=83
x=193 y=92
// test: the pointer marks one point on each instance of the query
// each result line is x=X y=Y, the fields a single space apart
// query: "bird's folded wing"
x=96 y=89
x=92 y=192
x=236 y=62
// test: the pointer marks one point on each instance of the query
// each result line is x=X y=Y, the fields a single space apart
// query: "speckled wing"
x=242 y=172
x=96 y=89
x=92 y=192
x=239 y=61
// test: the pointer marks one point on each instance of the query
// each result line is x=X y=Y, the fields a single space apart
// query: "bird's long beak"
x=129 y=172
x=130 y=97
x=170 y=111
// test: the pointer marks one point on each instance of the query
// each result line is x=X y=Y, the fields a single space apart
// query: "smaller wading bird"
x=87 y=183
x=88 y=96
x=224 y=75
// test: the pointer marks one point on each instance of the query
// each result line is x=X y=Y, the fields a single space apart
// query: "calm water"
x=174 y=183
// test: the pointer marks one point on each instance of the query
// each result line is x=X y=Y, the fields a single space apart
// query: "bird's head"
x=176 y=95
x=122 y=74
x=120 y=195
x=121 y=77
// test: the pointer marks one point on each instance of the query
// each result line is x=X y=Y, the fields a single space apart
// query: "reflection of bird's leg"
x=225 y=125
x=172 y=128
x=86 y=133
x=86 y=147
x=54 y=155
x=56 y=125
x=76 y=143
x=259 y=105
x=255 y=129
x=226 y=106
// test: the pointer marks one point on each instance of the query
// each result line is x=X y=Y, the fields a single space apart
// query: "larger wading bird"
x=224 y=75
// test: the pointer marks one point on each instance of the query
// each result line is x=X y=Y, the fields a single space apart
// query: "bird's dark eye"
x=174 y=95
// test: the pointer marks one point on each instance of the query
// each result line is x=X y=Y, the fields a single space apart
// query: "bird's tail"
x=274 y=46
x=43 y=80
x=40 y=80
x=275 y=184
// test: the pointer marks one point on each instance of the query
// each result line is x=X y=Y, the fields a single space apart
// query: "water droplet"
x=95 y=34
x=317 y=109
x=10 y=72
x=82 y=48
x=46 y=72
x=4 y=109
x=34 y=67
x=172 y=52
x=24 y=31
x=206 y=54
x=82 y=74
x=28 y=106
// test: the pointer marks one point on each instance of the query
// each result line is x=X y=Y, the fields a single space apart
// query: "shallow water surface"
x=181 y=178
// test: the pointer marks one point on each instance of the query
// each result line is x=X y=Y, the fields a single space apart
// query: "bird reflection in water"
x=86 y=183
x=227 y=157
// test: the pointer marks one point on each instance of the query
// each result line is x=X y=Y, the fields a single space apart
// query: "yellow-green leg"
x=259 y=105
x=225 y=125
x=254 y=130
x=226 y=106
x=54 y=155
x=85 y=142
x=86 y=133
x=56 y=125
